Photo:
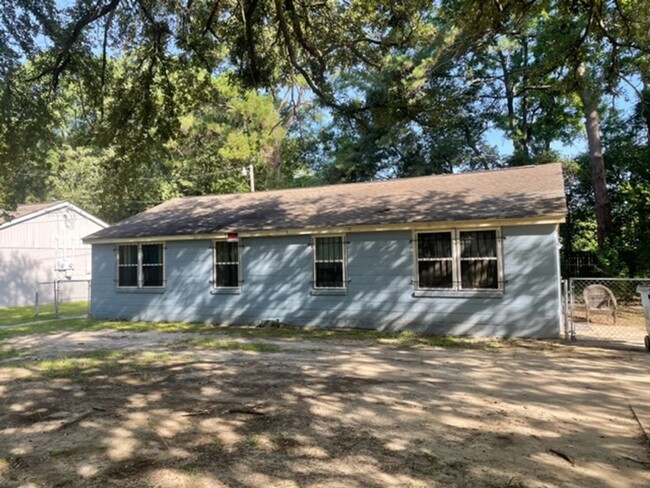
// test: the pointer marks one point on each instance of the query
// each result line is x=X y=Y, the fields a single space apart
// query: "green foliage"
x=629 y=178
x=120 y=105
x=192 y=138
x=627 y=159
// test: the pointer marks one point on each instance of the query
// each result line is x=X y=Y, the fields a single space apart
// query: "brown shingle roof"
x=26 y=209
x=528 y=191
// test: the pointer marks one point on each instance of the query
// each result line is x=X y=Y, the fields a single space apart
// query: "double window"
x=458 y=260
x=140 y=265
x=330 y=262
x=226 y=265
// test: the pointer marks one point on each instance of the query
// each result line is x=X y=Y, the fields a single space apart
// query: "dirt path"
x=324 y=414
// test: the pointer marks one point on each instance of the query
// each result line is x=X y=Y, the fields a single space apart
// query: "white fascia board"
x=34 y=215
x=54 y=208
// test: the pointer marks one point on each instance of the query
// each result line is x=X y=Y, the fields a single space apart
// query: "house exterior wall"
x=29 y=251
x=277 y=274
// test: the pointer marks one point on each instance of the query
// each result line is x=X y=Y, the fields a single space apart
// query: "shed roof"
x=28 y=211
x=524 y=192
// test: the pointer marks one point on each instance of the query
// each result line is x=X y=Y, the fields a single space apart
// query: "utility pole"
x=250 y=172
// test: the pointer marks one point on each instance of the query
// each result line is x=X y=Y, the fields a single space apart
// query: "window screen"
x=478 y=260
x=127 y=265
x=152 y=265
x=226 y=259
x=329 y=262
x=435 y=260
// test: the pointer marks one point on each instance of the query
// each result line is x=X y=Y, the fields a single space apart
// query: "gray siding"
x=277 y=274
x=29 y=251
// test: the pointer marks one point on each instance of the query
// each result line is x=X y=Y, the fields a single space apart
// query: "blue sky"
x=623 y=102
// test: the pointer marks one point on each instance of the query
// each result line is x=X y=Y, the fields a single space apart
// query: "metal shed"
x=42 y=242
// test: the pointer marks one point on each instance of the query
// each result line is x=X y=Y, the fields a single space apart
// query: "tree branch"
x=216 y=7
x=63 y=58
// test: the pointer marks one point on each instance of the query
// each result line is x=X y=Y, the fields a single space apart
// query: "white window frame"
x=214 y=266
x=344 y=261
x=456 y=262
x=140 y=275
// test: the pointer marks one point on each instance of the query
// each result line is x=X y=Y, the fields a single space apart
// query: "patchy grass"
x=19 y=315
x=94 y=362
x=403 y=338
x=211 y=343
x=7 y=352
x=87 y=324
x=82 y=366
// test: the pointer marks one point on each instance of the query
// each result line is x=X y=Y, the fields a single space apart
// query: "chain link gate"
x=605 y=310
x=62 y=298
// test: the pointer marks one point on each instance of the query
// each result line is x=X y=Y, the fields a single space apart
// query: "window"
x=329 y=262
x=127 y=265
x=152 y=264
x=140 y=265
x=478 y=260
x=458 y=260
x=435 y=261
x=226 y=264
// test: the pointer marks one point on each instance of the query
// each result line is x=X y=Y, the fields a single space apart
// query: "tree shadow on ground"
x=349 y=415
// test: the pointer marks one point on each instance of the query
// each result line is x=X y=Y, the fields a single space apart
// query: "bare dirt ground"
x=309 y=413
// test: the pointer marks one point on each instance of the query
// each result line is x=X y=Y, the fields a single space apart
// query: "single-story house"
x=472 y=253
x=41 y=242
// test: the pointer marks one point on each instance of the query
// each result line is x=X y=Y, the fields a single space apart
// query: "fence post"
x=89 y=297
x=572 y=307
x=36 y=298
x=56 y=298
x=565 y=299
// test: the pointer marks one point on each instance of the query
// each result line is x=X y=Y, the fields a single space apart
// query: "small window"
x=226 y=264
x=329 y=262
x=140 y=265
x=458 y=260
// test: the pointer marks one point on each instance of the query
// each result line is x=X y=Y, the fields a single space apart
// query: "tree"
x=156 y=99
x=121 y=156
x=532 y=109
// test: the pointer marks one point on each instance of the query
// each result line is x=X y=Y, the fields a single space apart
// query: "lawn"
x=135 y=404
x=19 y=315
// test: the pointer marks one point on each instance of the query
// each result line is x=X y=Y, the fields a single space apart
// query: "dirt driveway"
x=166 y=410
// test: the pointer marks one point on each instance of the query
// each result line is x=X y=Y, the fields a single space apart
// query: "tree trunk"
x=592 y=124
x=274 y=155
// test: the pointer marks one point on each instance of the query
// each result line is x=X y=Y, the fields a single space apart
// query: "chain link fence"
x=604 y=310
x=62 y=298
